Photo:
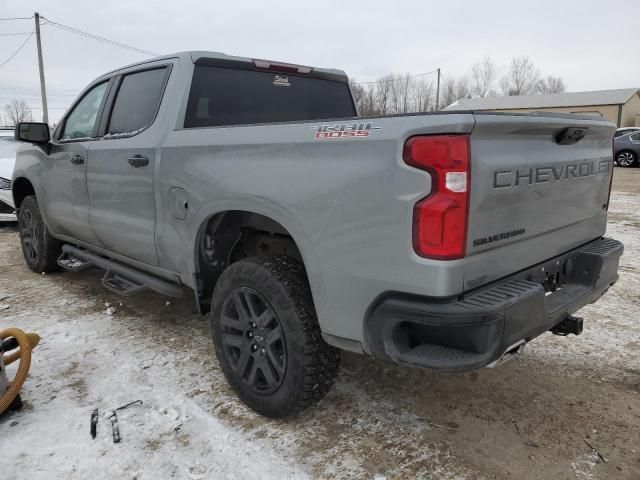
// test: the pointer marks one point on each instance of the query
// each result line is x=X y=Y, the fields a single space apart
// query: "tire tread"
x=50 y=247
x=320 y=360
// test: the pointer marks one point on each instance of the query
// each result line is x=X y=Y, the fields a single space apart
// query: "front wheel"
x=267 y=338
x=626 y=159
x=39 y=248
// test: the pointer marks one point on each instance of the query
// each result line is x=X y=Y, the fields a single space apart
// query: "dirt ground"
x=566 y=408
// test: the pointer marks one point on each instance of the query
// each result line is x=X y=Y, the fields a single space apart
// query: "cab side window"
x=81 y=122
x=137 y=101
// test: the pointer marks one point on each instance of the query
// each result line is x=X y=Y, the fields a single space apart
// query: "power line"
x=394 y=79
x=16 y=18
x=50 y=108
x=4 y=94
x=26 y=89
x=95 y=37
x=31 y=99
x=11 y=34
x=16 y=52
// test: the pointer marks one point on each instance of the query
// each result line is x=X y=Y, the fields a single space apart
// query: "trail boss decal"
x=345 y=130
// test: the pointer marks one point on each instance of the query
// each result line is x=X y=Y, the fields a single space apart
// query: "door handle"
x=77 y=159
x=138 y=161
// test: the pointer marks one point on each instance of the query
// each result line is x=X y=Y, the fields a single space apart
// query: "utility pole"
x=43 y=89
x=437 y=91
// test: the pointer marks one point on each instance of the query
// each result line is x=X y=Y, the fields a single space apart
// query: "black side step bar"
x=118 y=278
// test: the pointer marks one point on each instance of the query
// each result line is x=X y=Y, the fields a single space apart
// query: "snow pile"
x=168 y=436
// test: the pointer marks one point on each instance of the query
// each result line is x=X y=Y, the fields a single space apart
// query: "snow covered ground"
x=527 y=419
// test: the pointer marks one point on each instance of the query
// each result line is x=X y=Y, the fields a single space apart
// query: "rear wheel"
x=267 y=338
x=39 y=248
x=626 y=159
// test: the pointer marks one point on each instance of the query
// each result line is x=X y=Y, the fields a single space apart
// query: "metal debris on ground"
x=94 y=423
x=114 y=420
x=438 y=425
x=128 y=405
x=115 y=428
x=596 y=451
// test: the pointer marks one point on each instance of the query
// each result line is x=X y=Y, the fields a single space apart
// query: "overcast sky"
x=591 y=44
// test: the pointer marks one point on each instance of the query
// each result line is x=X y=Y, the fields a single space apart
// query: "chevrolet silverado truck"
x=441 y=240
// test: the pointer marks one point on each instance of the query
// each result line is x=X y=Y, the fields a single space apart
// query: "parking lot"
x=568 y=407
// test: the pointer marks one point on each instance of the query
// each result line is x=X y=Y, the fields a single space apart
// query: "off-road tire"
x=311 y=365
x=39 y=248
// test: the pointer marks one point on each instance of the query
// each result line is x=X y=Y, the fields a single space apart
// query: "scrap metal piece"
x=94 y=423
x=128 y=405
x=596 y=451
x=115 y=428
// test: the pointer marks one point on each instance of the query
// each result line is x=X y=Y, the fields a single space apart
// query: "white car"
x=8 y=148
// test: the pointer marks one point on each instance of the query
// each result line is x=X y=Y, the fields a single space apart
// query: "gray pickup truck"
x=444 y=240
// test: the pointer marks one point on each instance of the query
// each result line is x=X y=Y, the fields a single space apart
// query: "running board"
x=72 y=264
x=118 y=278
x=120 y=285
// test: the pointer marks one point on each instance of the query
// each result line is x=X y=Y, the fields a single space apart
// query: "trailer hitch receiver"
x=569 y=325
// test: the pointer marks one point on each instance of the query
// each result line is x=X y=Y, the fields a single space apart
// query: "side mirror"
x=32 y=132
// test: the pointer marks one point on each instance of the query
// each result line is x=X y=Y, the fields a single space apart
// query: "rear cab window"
x=137 y=102
x=229 y=96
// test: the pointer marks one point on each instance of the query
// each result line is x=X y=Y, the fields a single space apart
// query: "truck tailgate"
x=537 y=190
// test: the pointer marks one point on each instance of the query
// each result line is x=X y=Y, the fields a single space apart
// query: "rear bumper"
x=475 y=331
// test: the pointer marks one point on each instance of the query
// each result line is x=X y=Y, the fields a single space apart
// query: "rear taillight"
x=281 y=67
x=440 y=219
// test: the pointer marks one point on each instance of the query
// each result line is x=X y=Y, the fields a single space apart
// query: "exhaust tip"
x=510 y=353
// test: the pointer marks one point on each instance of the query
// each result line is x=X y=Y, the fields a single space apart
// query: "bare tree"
x=358 y=93
x=383 y=94
x=522 y=77
x=422 y=96
x=17 y=111
x=551 y=84
x=447 y=92
x=453 y=89
x=400 y=88
x=404 y=93
x=364 y=95
x=483 y=76
x=369 y=105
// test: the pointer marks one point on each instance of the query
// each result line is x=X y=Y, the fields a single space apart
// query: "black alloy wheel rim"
x=253 y=340
x=29 y=235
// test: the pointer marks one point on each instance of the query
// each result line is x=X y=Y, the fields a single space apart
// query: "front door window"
x=81 y=122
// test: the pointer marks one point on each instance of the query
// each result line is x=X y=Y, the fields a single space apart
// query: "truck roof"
x=195 y=55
